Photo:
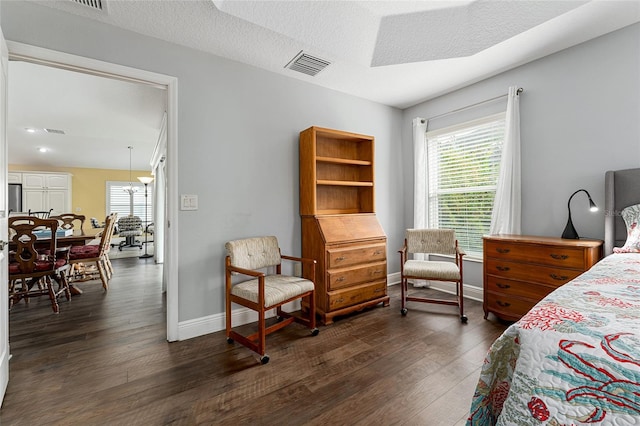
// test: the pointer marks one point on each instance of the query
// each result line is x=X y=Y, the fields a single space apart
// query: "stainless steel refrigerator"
x=15 y=197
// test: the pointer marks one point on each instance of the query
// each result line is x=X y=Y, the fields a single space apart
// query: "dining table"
x=78 y=238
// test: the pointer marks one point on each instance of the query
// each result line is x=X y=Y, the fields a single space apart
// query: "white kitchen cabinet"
x=13 y=177
x=44 y=191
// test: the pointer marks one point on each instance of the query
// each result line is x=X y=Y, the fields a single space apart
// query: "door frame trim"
x=25 y=52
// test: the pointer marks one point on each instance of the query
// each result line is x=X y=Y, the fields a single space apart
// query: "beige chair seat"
x=435 y=270
x=429 y=242
x=277 y=289
x=248 y=257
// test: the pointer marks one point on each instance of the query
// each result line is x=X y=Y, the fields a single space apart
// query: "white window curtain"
x=421 y=174
x=420 y=182
x=506 y=213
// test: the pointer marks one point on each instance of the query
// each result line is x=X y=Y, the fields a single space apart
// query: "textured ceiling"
x=397 y=53
x=386 y=51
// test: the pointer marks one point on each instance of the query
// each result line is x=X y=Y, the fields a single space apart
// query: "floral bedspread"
x=573 y=359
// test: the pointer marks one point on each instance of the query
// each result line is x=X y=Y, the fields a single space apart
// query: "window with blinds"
x=464 y=163
x=119 y=200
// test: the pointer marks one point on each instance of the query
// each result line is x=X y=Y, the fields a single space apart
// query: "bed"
x=574 y=358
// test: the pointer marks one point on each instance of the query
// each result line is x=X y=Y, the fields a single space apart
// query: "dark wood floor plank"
x=105 y=360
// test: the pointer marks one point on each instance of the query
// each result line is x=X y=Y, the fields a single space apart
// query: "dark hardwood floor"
x=105 y=360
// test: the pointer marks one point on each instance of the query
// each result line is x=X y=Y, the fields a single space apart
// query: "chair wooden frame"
x=257 y=341
x=456 y=252
x=67 y=220
x=44 y=214
x=36 y=268
x=104 y=269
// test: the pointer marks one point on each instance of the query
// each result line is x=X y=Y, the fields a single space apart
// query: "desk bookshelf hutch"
x=339 y=226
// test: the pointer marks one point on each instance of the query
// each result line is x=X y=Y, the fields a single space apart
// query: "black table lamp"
x=569 y=230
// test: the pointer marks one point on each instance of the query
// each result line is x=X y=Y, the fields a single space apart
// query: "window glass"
x=119 y=200
x=464 y=163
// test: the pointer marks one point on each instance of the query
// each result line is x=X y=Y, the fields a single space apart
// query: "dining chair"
x=41 y=214
x=32 y=271
x=95 y=254
x=431 y=242
x=253 y=261
x=70 y=221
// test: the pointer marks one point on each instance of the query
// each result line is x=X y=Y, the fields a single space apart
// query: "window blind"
x=464 y=163
x=118 y=200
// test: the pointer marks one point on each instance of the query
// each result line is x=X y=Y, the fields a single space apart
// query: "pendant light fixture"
x=130 y=189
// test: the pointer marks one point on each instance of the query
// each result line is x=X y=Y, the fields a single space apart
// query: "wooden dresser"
x=520 y=270
x=339 y=227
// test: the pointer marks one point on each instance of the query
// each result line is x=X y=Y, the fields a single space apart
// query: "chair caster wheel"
x=403 y=311
x=264 y=359
x=229 y=340
x=315 y=332
x=464 y=319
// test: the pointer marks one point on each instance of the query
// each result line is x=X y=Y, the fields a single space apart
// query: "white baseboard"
x=470 y=291
x=212 y=323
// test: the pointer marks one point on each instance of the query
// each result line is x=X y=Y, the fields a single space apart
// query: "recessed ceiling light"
x=43 y=149
x=30 y=130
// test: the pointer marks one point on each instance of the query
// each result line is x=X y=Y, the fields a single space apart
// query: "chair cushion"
x=277 y=289
x=40 y=265
x=434 y=270
x=254 y=253
x=442 y=241
x=84 y=252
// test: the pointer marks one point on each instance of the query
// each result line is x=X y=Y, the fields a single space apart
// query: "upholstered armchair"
x=427 y=242
x=262 y=291
x=129 y=227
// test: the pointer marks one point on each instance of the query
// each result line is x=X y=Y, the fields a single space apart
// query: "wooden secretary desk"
x=339 y=226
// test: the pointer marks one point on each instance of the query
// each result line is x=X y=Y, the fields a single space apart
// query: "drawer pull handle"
x=503 y=268
x=559 y=277
x=378 y=290
x=340 y=279
x=377 y=272
x=339 y=259
x=502 y=251
x=503 y=285
x=377 y=253
x=559 y=256
x=503 y=304
x=340 y=300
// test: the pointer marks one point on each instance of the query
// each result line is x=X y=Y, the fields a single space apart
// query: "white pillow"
x=631 y=216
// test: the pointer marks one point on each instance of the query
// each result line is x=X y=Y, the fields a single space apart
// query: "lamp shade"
x=146 y=179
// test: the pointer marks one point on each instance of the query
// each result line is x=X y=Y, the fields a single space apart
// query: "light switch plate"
x=188 y=202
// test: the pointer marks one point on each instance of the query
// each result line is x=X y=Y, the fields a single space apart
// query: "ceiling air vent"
x=56 y=131
x=307 y=64
x=100 y=5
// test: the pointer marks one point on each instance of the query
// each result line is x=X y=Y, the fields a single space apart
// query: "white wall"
x=580 y=116
x=238 y=142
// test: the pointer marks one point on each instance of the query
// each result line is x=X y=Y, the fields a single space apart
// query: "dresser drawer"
x=353 y=255
x=511 y=288
x=531 y=273
x=508 y=306
x=565 y=257
x=353 y=295
x=340 y=278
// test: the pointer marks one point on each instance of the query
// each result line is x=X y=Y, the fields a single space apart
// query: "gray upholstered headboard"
x=621 y=189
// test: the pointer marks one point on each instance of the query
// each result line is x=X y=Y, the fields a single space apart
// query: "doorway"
x=63 y=61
